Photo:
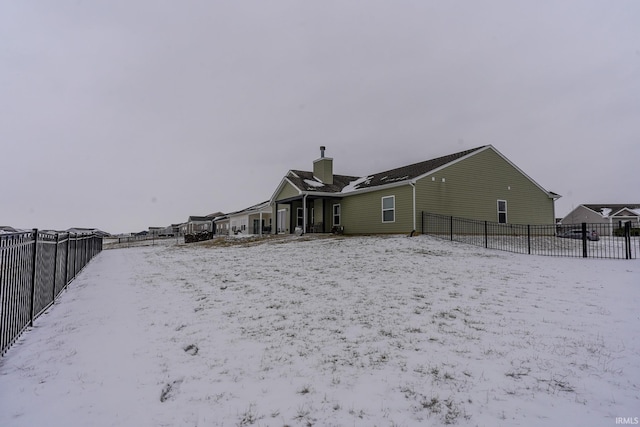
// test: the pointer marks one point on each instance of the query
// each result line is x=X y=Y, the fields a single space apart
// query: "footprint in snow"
x=170 y=390
x=191 y=349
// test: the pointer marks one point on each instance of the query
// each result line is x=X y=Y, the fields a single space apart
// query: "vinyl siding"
x=362 y=213
x=287 y=191
x=323 y=169
x=582 y=214
x=472 y=187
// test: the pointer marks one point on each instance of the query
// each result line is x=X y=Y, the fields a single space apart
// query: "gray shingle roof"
x=195 y=218
x=405 y=173
x=614 y=207
x=298 y=179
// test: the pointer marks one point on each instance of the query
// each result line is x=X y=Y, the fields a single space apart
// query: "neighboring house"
x=480 y=183
x=255 y=219
x=215 y=215
x=5 y=229
x=197 y=224
x=162 y=231
x=175 y=229
x=221 y=223
x=156 y=231
x=82 y=230
x=613 y=214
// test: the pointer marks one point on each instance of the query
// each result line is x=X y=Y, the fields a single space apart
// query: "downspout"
x=260 y=224
x=413 y=186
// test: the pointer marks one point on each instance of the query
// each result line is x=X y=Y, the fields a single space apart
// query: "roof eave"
x=378 y=187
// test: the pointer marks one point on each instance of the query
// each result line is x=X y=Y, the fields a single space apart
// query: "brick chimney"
x=323 y=168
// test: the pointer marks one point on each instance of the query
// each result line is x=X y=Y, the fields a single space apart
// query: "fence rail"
x=34 y=268
x=618 y=241
x=134 y=240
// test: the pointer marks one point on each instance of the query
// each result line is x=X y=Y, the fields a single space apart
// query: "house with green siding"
x=479 y=183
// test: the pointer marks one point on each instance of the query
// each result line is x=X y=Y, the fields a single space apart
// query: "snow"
x=312 y=183
x=331 y=331
x=400 y=178
x=605 y=212
x=353 y=185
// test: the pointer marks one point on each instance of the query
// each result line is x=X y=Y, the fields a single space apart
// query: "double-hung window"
x=336 y=214
x=502 y=211
x=389 y=209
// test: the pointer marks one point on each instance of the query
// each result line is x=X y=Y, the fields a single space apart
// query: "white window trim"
x=333 y=214
x=392 y=209
x=506 y=218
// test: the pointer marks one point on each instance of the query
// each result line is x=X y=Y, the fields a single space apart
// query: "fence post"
x=75 y=255
x=34 y=276
x=486 y=235
x=584 y=240
x=55 y=268
x=451 y=227
x=627 y=239
x=529 y=239
x=66 y=266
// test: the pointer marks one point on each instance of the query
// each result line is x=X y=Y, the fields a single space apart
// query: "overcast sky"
x=127 y=114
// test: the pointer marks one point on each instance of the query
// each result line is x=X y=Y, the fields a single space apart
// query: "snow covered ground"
x=334 y=331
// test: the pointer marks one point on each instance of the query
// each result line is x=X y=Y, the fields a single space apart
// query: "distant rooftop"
x=612 y=209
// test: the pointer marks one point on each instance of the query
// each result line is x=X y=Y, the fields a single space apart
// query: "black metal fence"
x=34 y=268
x=618 y=240
x=141 y=238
